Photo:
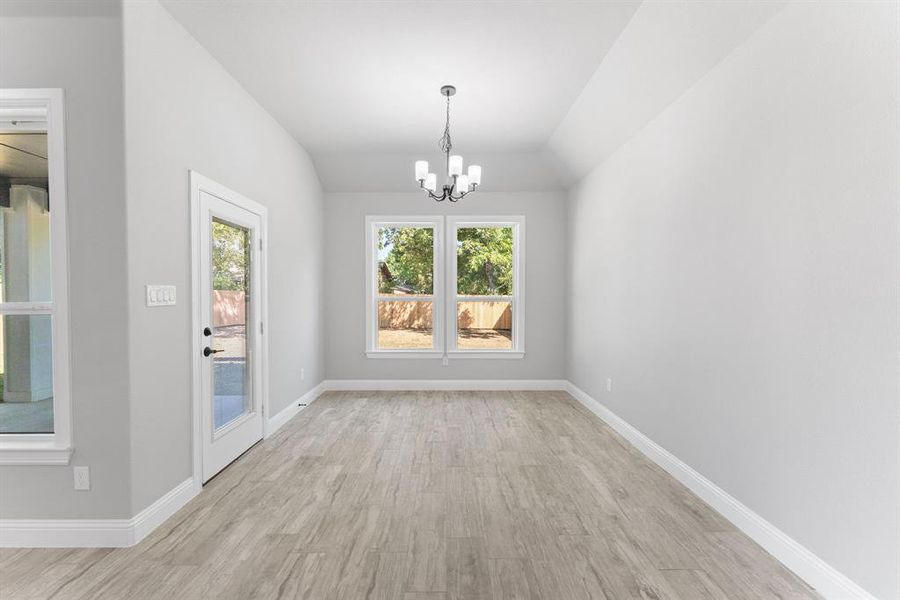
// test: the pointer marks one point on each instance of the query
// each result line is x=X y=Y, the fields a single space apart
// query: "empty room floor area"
x=427 y=495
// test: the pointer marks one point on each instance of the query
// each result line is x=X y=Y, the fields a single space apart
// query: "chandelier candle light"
x=457 y=182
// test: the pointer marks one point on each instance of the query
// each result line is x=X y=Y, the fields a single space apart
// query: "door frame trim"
x=200 y=183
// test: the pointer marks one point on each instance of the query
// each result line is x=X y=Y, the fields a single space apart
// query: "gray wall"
x=345 y=285
x=55 y=45
x=734 y=269
x=183 y=111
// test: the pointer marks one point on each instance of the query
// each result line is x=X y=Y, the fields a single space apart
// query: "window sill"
x=403 y=354
x=479 y=354
x=459 y=354
x=34 y=453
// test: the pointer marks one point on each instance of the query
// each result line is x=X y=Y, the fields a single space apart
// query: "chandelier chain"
x=446 y=143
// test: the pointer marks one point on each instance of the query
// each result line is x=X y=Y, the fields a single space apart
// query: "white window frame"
x=373 y=224
x=517 y=223
x=444 y=299
x=39 y=110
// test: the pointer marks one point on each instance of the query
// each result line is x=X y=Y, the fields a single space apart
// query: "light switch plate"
x=160 y=295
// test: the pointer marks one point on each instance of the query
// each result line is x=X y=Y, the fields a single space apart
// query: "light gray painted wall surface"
x=734 y=270
x=82 y=55
x=184 y=111
x=544 y=279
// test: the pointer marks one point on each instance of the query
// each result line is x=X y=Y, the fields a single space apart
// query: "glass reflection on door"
x=231 y=313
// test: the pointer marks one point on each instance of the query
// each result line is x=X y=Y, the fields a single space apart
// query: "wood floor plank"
x=427 y=496
x=468 y=569
x=513 y=579
x=694 y=584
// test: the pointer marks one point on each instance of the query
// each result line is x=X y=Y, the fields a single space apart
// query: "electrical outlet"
x=82 y=478
x=609 y=384
x=302 y=374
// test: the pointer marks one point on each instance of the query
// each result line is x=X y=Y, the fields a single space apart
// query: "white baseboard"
x=445 y=384
x=289 y=412
x=829 y=582
x=157 y=513
x=66 y=533
x=94 y=533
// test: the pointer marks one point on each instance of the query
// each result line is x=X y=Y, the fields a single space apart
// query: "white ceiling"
x=360 y=77
x=546 y=89
x=365 y=76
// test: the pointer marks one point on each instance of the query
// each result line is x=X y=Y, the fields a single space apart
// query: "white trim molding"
x=444 y=297
x=827 y=580
x=445 y=384
x=199 y=184
x=31 y=453
x=516 y=298
x=95 y=533
x=374 y=296
x=157 y=513
x=277 y=421
x=45 y=110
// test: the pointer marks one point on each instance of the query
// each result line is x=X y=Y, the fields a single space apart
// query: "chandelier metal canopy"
x=457 y=184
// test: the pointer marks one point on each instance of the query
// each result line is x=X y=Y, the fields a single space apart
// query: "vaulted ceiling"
x=546 y=89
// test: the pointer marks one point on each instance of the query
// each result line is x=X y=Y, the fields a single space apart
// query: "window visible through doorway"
x=35 y=414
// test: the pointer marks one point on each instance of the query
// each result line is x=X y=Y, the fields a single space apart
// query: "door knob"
x=207 y=351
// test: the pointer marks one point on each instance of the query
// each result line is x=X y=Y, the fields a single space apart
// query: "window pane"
x=24 y=219
x=405 y=325
x=231 y=307
x=27 y=378
x=484 y=261
x=406 y=261
x=484 y=325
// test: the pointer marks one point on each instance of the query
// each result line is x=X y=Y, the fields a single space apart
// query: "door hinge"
x=260 y=244
x=260 y=327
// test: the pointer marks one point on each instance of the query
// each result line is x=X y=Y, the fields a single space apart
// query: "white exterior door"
x=230 y=294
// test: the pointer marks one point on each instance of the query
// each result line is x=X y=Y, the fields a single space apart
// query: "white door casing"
x=217 y=446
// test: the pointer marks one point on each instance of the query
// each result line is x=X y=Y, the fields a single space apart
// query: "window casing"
x=36 y=310
x=485 y=309
x=399 y=313
x=475 y=312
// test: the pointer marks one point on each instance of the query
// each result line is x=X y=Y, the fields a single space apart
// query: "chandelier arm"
x=440 y=198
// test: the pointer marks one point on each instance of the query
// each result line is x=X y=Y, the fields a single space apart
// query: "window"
x=35 y=414
x=404 y=286
x=481 y=313
x=485 y=277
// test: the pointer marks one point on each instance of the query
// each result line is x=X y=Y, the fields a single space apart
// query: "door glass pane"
x=484 y=261
x=484 y=325
x=25 y=268
x=405 y=325
x=231 y=313
x=26 y=381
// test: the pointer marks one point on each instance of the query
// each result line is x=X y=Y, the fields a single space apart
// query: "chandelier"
x=457 y=184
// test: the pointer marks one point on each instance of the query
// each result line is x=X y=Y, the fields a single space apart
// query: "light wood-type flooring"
x=427 y=496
